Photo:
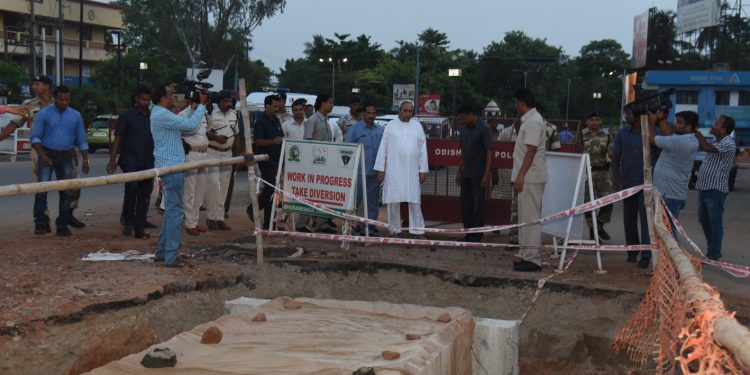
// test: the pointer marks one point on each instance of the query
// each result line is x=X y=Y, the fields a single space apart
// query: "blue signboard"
x=698 y=78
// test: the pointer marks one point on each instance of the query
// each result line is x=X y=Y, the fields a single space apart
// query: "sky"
x=469 y=24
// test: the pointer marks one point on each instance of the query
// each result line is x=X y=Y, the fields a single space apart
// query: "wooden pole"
x=648 y=193
x=251 y=171
x=727 y=331
x=79 y=183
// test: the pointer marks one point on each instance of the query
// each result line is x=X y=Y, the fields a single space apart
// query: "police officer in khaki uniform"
x=598 y=144
x=222 y=131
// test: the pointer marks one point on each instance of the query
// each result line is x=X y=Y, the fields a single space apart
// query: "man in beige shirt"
x=528 y=177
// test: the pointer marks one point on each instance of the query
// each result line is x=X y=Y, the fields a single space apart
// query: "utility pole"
x=32 y=41
x=80 y=46
x=416 y=85
x=61 y=55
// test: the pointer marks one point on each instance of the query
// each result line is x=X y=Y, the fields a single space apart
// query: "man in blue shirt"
x=678 y=146
x=167 y=129
x=627 y=167
x=57 y=131
x=368 y=134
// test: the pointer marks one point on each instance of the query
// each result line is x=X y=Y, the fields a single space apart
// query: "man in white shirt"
x=529 y=176
x=401 y=164
x=294 y=128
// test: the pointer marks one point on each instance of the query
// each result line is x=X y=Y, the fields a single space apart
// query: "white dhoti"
x=416 y=220
x=195 y=189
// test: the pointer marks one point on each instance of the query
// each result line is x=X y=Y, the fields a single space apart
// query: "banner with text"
x=321 y=172
x=447 y=152
x=402 y=92
x=697 y=14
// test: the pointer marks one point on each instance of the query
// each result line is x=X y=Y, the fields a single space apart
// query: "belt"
x=600 y=168
x=199 y=149
x=59 y=153
x=219 y=149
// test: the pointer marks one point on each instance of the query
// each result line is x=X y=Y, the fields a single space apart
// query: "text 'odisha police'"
x=457 y=152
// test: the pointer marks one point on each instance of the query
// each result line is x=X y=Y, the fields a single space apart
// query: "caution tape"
x=586 y=207
x=736 y=270
x=442 y=243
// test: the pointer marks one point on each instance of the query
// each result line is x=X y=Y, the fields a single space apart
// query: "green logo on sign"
x=294 y=154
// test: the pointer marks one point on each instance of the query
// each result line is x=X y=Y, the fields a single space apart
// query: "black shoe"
x=75 y=223
x=144 y=235
x=178 y=263
x=712 y=257
x=327 y=231
x=644 y=262
x=64 y=232
x=603 y=234
x=41 y=229
x=632 y=258
x=303 y=229
x=149 y=225
x=526 y=266
x=127 y=230
x=158 y=259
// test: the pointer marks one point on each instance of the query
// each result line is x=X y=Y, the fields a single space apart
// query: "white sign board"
x=562 y=173
x=321 y=172
x=697 y=14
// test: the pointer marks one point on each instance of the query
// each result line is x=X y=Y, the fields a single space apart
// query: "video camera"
x=653 y=103
x=192 y=87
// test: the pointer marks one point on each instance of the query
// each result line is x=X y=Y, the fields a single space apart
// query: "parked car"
x=101 y=132
x=701 y=155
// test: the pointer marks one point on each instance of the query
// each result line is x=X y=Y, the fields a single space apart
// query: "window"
x=722 y=97
x=744 y=98
x=86 y=32
x=687 y=97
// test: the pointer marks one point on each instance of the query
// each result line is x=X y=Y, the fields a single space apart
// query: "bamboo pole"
x=648 y=193
x=79 y=183
x=727 y=331
x=251 y=171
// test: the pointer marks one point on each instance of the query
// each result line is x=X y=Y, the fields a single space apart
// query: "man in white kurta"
x=402 y=167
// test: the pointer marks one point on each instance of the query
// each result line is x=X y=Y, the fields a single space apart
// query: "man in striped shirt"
x=167 y=129
x=713 y=182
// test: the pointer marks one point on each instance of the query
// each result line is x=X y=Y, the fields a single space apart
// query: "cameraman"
x=678 y=147
x=222 y=129
x=167 y=129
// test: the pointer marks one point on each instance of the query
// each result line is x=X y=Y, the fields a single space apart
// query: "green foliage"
x=90 y=102
x=13 y=76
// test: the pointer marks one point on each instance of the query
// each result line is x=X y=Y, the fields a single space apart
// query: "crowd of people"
x=155 y=132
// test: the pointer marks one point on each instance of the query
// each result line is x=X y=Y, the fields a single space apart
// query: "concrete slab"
x=495 y=347
x=243 y=305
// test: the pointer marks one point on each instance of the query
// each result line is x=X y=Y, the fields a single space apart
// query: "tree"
x=212 y=32
x=13 y=76
x=90 y=102
x=598 y=68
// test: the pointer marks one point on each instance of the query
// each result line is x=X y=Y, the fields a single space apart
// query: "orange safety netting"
x=672 y=330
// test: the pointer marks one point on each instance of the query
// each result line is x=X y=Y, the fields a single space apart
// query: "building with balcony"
x=99 y=20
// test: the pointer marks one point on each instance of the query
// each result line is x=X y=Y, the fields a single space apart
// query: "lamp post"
x=141 y=67
x=454 y=73
x=333 y=73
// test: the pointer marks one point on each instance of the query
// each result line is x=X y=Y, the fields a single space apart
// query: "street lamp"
x=141 y=67
x=333 y=72
x=355 y=90
x=454 y=73
x=597 y=97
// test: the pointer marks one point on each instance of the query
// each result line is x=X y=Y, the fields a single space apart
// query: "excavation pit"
x=568 y=330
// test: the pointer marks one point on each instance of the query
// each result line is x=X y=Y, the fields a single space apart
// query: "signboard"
x=429 y=105
x=698 y=78
x=321 y=172
x=446 y=152
x=402 y=92
x=640 y=40
x=697 y=14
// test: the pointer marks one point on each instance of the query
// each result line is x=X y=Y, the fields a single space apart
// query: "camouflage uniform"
x=36 y=106
x=599 y=147
x=553 y=137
